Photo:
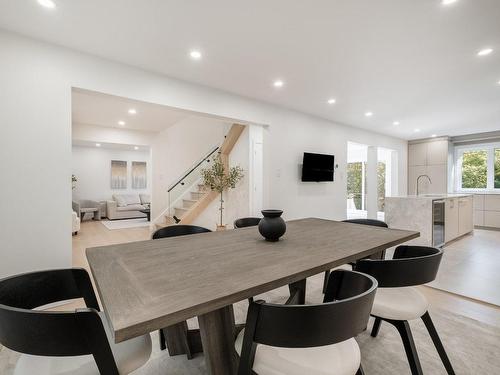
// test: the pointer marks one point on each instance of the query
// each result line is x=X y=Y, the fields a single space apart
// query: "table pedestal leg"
x=297 y=290
x=217 y=336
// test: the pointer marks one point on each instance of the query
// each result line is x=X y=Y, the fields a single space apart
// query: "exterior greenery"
x=355 y=181
x=497 y=169
x=475 y=170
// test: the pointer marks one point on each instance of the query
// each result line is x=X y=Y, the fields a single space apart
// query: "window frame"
x=490 y=166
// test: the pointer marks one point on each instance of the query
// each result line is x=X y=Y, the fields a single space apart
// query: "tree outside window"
x=497 y=169
x=475 y=170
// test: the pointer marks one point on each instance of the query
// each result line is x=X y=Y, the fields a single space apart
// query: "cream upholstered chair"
x=398 y=301
x=62 y=342
x=309 y=339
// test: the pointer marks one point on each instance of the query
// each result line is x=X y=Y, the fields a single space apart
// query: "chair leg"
x=325 y=281
x=360 y=371
x=411 y=351
x=437 y=343
x=376 y=327
x=163 y=345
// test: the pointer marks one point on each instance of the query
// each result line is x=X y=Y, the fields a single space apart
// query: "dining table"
x=158 y=284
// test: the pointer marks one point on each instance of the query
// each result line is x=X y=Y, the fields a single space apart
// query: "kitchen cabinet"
x=487 y=210
x=451 y=228
x=465 y=215
x=423 y=214
x=437 y=152
x=417 y=154
x=428 y=158
x=492 y=202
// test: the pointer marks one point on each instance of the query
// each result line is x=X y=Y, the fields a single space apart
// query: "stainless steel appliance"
x=438 y=219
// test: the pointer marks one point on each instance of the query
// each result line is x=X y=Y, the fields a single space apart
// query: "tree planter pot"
x=272 y=226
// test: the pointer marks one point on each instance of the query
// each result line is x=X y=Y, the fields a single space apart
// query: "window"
x=478 y=167
x=475 y=169
x=356 y=184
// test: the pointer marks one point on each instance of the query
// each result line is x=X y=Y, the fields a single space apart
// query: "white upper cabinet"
x=430 y=158
x=437 y=152
x=417 y=154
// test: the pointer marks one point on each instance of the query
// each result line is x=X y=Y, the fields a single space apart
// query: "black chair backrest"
x=247 y=222
x=343 y=314
x=372 y=222
x=178 y=230
x=410 y=265
x=53 y=333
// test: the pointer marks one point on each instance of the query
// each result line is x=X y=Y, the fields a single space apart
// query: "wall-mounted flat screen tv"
x=317 y=167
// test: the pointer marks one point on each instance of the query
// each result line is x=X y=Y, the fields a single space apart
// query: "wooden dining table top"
x=148 y=285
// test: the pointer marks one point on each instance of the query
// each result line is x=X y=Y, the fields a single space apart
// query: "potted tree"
x=219 y=178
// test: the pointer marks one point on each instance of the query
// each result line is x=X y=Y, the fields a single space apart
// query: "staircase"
x=188 y=197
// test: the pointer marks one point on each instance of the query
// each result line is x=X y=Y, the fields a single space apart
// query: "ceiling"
x=107 y=110
x=110 y=146
x=412 y=61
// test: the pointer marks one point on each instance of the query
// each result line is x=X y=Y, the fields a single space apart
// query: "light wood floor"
x=93 y=233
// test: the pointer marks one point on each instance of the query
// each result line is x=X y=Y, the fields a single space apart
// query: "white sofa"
x=127 y=206
x=75 y=223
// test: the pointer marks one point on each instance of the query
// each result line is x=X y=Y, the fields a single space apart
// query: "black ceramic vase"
x=272 y=226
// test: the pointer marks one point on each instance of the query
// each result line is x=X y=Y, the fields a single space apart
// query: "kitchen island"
x=440 y=218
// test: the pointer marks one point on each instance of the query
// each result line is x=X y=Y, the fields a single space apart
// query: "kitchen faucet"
x=418 y=179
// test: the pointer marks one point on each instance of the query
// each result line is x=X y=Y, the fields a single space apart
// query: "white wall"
x=176 y=149
x=36 y=80
x=92 y=167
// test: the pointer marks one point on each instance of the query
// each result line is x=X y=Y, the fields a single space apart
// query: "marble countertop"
x=431 y=196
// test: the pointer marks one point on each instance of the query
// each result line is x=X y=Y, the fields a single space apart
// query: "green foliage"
x=497 y=168
x=355 y=181
x=475 y=170
x=218 y=179
x=381 y=186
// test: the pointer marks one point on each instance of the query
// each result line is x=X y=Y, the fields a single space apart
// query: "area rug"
x=472 y=346
x=126 y=223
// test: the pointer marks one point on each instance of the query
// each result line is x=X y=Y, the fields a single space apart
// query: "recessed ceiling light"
x=278 y=83
x=416 y=130
x=331 y=101
x=136 y=147
x=395 y=123
x=485 y=51
x=132 y=111
x=47 y=4
x=121 y=123
x=369 y=114
x=448 y=2
x=498 y=82
x=97 y=145
x=195 y=54
x=434 y=135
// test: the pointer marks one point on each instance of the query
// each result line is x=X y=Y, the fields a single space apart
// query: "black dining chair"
x=178 y=230
x=370 y=222
x=181 y=328
x=62 y=342
x=247 y=222
x=398 y=301
x=309 y=339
